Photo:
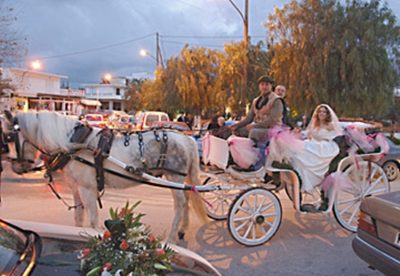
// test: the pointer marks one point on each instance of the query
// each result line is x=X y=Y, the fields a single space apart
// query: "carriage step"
x=309 y=208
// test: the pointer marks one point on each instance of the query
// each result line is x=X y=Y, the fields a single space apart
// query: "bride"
x=313 y=159
x=310 y=157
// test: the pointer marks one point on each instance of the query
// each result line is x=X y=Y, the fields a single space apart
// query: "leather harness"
x=58 y=161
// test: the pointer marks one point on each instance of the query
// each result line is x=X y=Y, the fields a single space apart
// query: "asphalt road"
x=311 y=244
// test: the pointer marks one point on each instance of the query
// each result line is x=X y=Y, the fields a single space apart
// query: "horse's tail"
x=195 y=199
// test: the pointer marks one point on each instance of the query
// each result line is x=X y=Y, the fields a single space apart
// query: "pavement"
x=311 y=244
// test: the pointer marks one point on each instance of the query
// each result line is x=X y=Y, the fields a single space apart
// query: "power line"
x=97 y=48
x=193 y=44
x=207 y=36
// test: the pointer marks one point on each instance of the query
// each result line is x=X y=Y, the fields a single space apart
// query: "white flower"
x=118 y=273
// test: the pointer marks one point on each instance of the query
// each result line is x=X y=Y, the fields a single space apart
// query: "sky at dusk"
x=84 y=39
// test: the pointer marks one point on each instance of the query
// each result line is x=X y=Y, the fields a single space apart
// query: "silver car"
x=378 y=235
x=391 y=161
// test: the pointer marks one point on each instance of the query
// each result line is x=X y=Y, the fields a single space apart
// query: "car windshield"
x=12 y=244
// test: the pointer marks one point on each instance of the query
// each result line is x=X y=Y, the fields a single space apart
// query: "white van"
x=146 y=119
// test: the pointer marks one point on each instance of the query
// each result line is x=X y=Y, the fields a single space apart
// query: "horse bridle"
x=13 y=137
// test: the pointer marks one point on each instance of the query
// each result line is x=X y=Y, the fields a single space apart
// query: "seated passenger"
x=311 y=157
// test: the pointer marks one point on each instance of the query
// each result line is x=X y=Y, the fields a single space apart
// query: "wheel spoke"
x=268 y=215
x=269 y=223
x=241 y=225
x=354 y=213
x=376 y=182
x=347 y=201
x=260 y=206
x=244 y=210
x=348 y=207
x=223 y=208
x=246 y=234
x=254 y=231
x=377 y=191
x=269 y=205
x=241 y=218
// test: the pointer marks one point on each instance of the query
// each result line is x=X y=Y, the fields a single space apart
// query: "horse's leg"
x=180 y=203
x=79 y=212
x=89 y=199
x=84 y=178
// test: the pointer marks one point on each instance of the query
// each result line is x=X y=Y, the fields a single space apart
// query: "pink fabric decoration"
x=206 y=147
x=361 y=139
x=243 y=151
x=283 y=144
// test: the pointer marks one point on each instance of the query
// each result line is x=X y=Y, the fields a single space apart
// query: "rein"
x=58 y=160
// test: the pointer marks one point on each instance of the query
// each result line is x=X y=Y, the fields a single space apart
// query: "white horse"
x=51 y=132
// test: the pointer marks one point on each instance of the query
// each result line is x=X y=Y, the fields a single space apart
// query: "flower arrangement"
x=127 y=247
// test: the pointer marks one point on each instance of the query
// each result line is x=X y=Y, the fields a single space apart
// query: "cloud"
x=65 y=26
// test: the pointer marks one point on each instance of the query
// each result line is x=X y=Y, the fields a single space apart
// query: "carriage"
x=254 y=215
x=251 y=206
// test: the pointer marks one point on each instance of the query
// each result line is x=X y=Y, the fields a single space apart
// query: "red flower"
x=124 y=245
x=159 y=252
x=106 y=235
x=106 y=267
x=152 y=238
x=85 y=252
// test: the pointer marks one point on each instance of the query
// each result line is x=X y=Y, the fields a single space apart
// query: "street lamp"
x=145 y=53
x=107 y=78
x=36 y=65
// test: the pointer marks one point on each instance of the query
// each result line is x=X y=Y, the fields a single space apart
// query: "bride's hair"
x=331 y=120
x=316 y=120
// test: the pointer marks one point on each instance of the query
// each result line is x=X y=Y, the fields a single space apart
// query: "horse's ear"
x=9 y=116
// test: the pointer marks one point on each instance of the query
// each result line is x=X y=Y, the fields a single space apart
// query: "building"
x=110 y=93
x=39 y=90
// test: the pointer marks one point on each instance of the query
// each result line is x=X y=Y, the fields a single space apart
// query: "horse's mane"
x=49 y=130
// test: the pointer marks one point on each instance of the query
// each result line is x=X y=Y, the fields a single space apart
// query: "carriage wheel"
x=366 y=179
x=254 y=217
x=218 y=202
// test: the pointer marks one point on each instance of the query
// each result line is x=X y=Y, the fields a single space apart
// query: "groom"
x=265 y=113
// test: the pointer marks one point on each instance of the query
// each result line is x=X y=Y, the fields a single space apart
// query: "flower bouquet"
x=127 y=247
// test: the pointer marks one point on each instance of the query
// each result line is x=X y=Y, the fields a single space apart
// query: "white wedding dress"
x=312 y=162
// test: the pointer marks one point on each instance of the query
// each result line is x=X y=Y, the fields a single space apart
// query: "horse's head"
x=21 y=153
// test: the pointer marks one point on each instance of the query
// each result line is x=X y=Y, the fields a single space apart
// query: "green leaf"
x=94 y=272
x=160 y=266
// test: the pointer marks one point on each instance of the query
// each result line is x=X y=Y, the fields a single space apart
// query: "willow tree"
x=196 y=82
x=343 y=55
x=231 y=71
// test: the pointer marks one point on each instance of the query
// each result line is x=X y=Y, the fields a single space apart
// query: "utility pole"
x=159 y=58
x=245 y=18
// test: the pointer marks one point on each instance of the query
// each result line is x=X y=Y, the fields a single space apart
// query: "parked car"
x=391 y=161
x=19 y=250
x=378 y=234
x=119 y=120
x=147 y=118
x=95 y=120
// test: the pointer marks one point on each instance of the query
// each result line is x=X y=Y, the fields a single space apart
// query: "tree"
x=196 y=82
x=12 y=44
x=133 y=98
x=343 y=55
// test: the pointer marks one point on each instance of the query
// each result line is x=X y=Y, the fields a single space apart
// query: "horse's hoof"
x=181 y=235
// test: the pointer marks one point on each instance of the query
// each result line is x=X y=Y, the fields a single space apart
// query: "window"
x=118 y=91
